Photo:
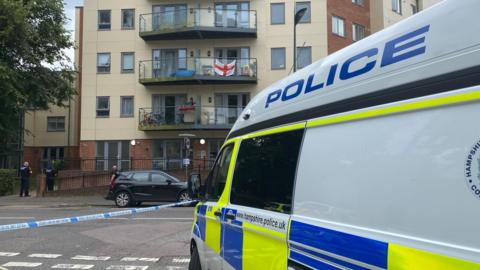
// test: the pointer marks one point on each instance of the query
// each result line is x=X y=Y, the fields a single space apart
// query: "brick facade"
x=351 y=13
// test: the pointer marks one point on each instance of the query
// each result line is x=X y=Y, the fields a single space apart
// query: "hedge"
x=7 y=181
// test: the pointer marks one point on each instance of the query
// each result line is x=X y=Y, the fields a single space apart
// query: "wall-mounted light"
x=202 y=141
x=133 y=142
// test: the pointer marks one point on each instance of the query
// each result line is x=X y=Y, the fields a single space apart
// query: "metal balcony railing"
x=226 y=21
x=188 y=117
x=201 y=70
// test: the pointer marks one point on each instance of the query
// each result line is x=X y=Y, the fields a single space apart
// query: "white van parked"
x=368 y=159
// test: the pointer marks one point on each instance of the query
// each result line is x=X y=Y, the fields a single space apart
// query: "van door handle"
x=218 y=213
x=230 y=216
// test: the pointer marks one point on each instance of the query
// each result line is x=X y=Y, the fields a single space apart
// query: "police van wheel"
x=123 y=199
x=195 y=261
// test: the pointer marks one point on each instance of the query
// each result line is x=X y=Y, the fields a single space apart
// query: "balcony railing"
x=187 y=117
x=198 y=23
x=198 y=71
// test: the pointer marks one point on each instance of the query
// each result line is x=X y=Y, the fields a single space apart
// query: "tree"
x=34 y=70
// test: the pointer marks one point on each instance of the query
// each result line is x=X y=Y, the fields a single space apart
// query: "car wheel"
x=195 y=261
x=183 y=197
x=123 y=199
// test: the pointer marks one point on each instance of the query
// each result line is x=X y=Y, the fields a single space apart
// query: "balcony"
x=197 y=23
x=189 y=71
x=188 y=117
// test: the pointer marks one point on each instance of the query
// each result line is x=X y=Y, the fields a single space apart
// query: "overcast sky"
x=70 y=11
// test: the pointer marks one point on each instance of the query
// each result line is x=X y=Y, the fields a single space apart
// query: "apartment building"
x=151 y=73
x=387 y=12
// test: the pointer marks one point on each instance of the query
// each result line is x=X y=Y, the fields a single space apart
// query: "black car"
x=134 y=187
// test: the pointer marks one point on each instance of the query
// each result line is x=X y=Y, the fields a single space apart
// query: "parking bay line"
x=8 y=254
x=21 y=264
x=46 y=256
x=91 y=258
x=135 y=259
x=126 y=267
x=73 y=266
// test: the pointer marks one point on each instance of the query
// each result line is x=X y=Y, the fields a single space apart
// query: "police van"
x=367 y=159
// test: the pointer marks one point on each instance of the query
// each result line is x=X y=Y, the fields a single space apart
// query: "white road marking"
x=126 y=267
x=91 y=258
x=21 y=264
x=135 y=259
x=47 y=256
x=8 y=254
x=152 y=218
x=73 y=266
x=181 y=260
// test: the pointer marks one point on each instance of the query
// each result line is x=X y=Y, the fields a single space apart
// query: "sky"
x=70 y=11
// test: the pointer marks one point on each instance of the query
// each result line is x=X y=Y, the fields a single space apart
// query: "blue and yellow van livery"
x=351 y=163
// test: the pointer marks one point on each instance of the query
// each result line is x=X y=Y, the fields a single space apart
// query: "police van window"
x=218 y=175
x=265 y=171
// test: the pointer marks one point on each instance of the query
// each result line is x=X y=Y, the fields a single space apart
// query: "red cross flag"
x=225 y=69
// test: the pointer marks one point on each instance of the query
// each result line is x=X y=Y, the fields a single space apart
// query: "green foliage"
x=7 y=181
x=58 y=165
x=34 y=69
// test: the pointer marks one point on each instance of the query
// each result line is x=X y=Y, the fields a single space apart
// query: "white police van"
x=368 y=159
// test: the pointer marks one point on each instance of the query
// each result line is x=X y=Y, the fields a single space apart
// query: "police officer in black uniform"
x=50 y=174
x=25 y=172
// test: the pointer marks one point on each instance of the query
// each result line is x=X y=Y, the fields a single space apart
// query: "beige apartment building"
x=152 y=72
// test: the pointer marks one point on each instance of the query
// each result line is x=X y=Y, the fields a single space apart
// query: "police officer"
x=50 y=174
x=25 y=172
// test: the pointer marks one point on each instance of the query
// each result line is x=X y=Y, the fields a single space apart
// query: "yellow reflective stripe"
x=405 y=258
x=274 y=130
x=416 y=105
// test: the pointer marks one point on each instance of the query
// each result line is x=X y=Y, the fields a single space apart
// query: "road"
x=154 y=240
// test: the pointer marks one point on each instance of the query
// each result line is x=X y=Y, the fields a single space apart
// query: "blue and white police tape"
x=42 y=223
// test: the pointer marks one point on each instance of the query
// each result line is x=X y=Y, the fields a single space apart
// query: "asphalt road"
x=153 y=240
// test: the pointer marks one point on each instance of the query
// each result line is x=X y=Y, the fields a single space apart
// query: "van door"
x=257 y=217
x=214 y=206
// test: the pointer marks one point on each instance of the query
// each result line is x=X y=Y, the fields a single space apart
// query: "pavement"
x=152 y=240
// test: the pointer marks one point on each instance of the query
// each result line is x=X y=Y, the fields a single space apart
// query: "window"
x=159 y=178
x=56 y=123
x=358 y=2
x=110 y=153
x=277 y=13
x=128 y=62
x=414 y=9
x=358 y=32
x=307 y=17
x=278 y=58
x=218 y=175
x=103 y=63
x=338 y=26
x=141 y=177
x=103 y=106
x=128 y=19
x=104 y=19
x=304 y=57
x=265 y=171
x=53 y=153
x=126 y=106
x=397 y=6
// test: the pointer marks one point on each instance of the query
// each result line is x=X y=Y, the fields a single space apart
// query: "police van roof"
x=431 y=52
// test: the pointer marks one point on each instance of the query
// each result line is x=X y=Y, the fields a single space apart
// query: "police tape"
x=42 y=223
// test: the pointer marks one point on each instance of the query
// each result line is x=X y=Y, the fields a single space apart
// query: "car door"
x=216 y=200
x=164 y=187
x=141 y=186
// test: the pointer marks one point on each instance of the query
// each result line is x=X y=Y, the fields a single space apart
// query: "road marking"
x=180 y=260
x=135 y=259
x=47 y=256
x=7 y=218
x=152 y=218
x=8 y=254
x=73 y=266
x=126 y=267
x=21 y=264
x=91 y=258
